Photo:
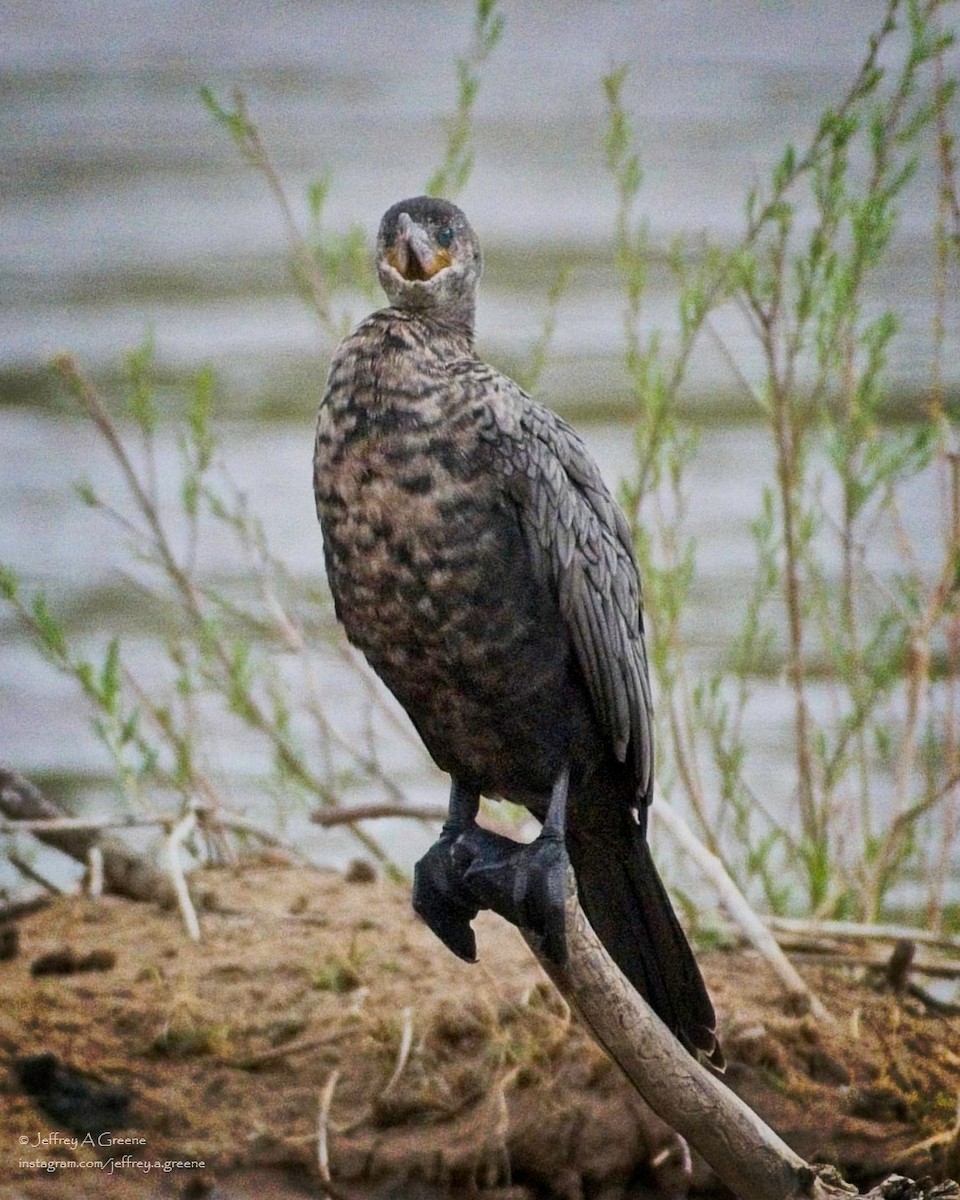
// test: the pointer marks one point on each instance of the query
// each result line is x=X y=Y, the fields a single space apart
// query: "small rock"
x=360 y=871
x=75 y=1101
x=9 y=942
x=68 y=962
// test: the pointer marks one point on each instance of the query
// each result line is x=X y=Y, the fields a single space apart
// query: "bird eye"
x=444 y=237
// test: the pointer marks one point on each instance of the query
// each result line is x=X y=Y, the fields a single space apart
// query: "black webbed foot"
x=441 y=898
x=470 y=868
x=439 y=894
x=526 y=884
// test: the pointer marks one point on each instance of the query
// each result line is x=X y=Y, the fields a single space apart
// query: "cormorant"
x=478 y=560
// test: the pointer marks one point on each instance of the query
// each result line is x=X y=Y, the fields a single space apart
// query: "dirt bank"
x=315 y=1000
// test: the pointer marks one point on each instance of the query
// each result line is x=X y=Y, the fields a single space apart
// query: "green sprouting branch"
x=800 y=288
x=246 y=137
x=450 y=177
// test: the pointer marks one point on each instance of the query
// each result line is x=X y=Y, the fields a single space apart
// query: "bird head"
x=428 y=257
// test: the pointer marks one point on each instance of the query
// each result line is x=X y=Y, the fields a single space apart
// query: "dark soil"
x=292 y=1013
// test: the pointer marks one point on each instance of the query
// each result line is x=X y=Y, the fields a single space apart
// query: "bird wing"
x=581 y=543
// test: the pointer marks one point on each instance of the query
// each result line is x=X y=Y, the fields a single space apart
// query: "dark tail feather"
x=627 y=905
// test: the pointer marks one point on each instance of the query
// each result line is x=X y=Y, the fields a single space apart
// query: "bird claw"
x=525 y=884
x=442 y=900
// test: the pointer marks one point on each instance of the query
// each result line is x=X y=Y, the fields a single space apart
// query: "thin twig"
x=323 y=1122
x=80 y=824
x=252 y=147
x=95 y=872
x=252 y=1061
x=403 y=1053
x=875 y=960
x=749 y=389
x=178 y=835
x=373 y=812
x=29 y=872
x=919 y=1152
x=218 y=818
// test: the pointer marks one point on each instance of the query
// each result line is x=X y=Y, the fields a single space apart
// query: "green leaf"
x=235 y=122
x=613 y=84
x=240 y=677
x=109 y=689
x=199 y=409
x=49 y=630
x=130 y=728
x=9 y=584
x=85 y=493
x=87 y=679
x=142 y=402
x=190 y=495
x=784 y=170
x=317 y=193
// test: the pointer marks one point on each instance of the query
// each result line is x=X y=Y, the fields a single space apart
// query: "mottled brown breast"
x=427 y=563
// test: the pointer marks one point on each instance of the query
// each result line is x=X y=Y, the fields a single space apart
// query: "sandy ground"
x=317 y=1000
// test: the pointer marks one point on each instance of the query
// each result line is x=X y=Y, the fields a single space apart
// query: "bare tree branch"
x=743 y=1151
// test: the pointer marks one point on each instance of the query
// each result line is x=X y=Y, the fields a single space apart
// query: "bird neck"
x=454 y=318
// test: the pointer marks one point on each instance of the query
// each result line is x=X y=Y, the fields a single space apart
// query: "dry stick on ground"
x=208 y=817
x=95 y=873
x=856 y=931
x=403 y=1053
x=323 y=1120
x=94 y=825
x=742 y=1150
x=881 y=962
x=251 y=1062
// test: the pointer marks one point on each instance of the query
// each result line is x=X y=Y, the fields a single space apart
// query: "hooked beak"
x=413 y=255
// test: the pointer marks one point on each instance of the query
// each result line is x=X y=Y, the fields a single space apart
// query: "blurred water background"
x=124 y=209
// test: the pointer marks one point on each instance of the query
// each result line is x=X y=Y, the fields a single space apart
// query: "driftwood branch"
x=745 y=1154
x=741 y=1149
x=125 y=872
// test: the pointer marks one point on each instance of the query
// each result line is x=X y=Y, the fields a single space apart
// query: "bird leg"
x=469 y=868
x=526 y=882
